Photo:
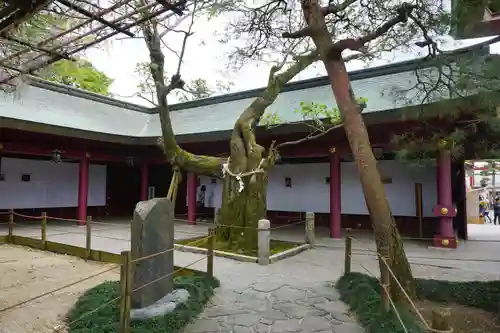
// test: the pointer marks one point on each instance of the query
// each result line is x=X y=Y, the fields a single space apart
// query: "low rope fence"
x=440 y=321
x=264 y=229
x=87 y=229
x=126 y=266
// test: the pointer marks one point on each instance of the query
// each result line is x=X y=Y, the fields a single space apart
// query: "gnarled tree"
x=245 y=172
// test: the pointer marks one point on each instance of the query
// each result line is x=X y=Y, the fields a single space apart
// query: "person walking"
x=496 y=211
x=483 y=210
x=200 y=204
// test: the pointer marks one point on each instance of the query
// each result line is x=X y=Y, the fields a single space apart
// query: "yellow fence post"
x=88 y=243
x=348 y=254
x=11 y=224
x=44 y=230
x=126 y=291
x=210 y=252
x=384 y=285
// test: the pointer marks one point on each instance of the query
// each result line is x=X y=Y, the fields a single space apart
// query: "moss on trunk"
x=243 y=208
x=240 y=209
x=401 y=267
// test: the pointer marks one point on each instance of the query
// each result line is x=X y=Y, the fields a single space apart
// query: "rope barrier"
x=482 y=274
x=59 y=329
x=390 y=299
x=430 y=258
x=87 y=314
x=27 y=216
x=169 y=274
x=56 y=290
x=190 y=233
x=287 y=225
x=400 y=286
x=118 y=225
x=168 y=250
x=213 y=224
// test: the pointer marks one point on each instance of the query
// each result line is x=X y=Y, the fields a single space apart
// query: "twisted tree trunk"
x=241 y=207
x=244 y=201
x=244 y=204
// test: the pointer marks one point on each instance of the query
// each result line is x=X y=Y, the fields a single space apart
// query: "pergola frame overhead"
x=65 y=28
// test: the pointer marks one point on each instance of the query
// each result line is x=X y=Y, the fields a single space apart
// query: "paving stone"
x=255 y=304
x=287 y=294
x=262 y=328
x=223 y=310
x=223 y=296
x=298 y=311
x=285 y=326
x=274 y=315
x=202 y=326
x=328 y=292
x=314 y=324
x=312 y=300
x=267 y=286
x=267 y=321
x=253 y=294
x=245 y=319
x=337 y=310
x=243 y=329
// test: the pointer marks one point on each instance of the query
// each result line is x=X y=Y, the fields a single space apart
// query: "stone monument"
x=152 y=232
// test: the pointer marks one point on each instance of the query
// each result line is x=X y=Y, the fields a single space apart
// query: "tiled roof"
x=53 y=104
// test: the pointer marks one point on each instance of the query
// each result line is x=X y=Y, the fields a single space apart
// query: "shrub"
x=362 y=294
x=106 y=320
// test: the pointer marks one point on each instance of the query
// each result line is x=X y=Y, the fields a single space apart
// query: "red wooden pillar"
x=144 y=182
x=191 y=200
x=335 y=194
x=83 y=188
x=445 y=209
x=438 y=177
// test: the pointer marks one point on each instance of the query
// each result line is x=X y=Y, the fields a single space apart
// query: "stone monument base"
x=161 y=307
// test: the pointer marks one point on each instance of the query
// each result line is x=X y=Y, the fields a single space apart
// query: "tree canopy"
x=195 y=89
x=78 y=74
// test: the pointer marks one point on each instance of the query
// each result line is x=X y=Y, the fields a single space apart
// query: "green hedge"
x=106 y=320
x=479 y=294
x=361 y=293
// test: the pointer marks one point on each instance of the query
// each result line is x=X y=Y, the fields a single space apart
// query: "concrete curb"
x=289 y=253
x=229 y=255
x=244 y=258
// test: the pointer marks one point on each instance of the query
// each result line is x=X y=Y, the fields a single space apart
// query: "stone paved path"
x=293 y=295
x=296 y=294
x=266 y=307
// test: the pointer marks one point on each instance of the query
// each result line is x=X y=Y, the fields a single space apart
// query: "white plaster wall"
x=52 y=184
x=401 y=193
x=310 y=192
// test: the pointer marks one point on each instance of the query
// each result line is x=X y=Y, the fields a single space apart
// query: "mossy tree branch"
x=248 y=120
x=206 y=165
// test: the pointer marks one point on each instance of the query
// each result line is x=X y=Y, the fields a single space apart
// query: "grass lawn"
x=276 y=246
x=475 y=305
x=106 y=320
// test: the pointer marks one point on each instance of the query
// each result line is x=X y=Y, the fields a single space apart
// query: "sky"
x=207 y=58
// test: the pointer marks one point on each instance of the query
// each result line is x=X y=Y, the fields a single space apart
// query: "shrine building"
x=72 y=153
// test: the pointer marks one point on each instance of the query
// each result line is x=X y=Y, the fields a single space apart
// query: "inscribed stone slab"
x=152 y=232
